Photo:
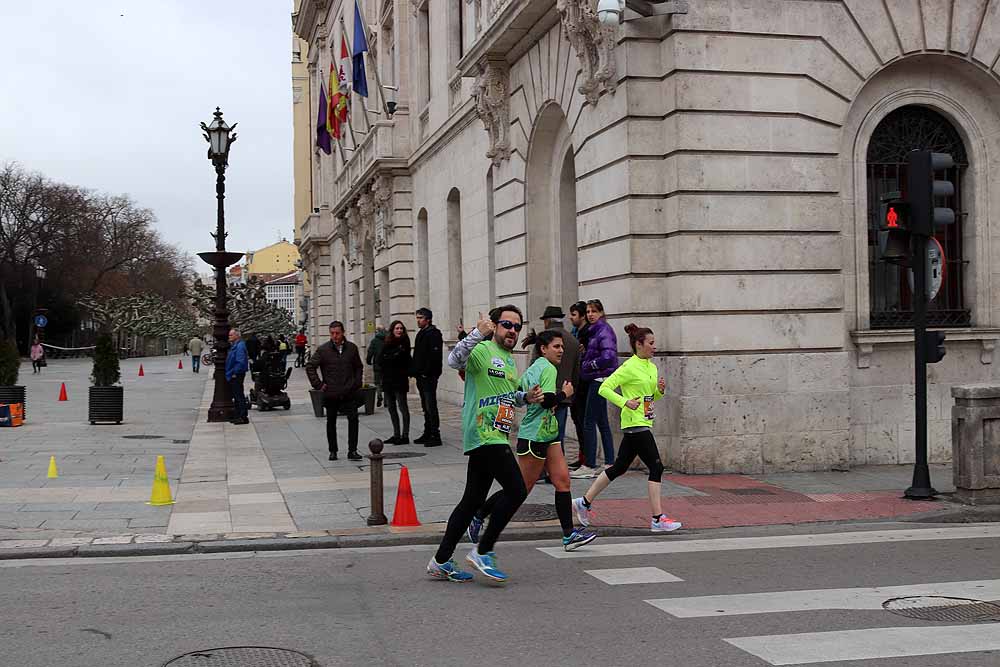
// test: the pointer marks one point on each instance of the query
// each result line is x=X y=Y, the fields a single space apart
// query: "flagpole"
x=368 y=125
x=378 y=80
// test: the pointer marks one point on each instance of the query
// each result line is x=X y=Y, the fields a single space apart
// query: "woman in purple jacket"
x=599 y=361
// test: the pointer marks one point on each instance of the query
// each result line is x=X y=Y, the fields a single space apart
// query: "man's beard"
x=508 y=341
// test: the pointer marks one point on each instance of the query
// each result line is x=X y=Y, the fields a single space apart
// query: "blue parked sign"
x=41 y=321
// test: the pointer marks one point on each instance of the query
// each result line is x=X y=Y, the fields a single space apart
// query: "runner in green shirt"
x=538 y=446
x=640 y=385
x=491 y=393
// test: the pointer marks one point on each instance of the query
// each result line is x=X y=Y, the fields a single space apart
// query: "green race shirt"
x=638 y=379
x=539 y=424
x=490 y=383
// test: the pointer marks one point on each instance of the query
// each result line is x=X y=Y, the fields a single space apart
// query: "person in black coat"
x=426 y=368
x=394 y=359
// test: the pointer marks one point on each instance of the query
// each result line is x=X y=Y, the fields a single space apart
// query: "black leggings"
x=639 y=444
x=396 y=400
x=486 y=463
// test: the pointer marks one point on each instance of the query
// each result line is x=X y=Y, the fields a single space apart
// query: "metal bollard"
x=377 y=517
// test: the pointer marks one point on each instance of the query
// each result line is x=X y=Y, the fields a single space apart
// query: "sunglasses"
x=507 y=324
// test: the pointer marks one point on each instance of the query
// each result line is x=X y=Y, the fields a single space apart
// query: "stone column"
x=975 y=442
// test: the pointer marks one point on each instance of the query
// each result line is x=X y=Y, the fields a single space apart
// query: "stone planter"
x=106 y=404
x=975 y=441
x=14 y=394
x=316 y=396
x=369 y=394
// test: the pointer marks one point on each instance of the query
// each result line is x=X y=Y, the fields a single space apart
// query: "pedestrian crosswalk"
x=904 y=638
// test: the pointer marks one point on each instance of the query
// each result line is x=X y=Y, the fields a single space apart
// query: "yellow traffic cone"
x=161 y=485
x=53 y=470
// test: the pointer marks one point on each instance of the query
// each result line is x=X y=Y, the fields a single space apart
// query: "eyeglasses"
x=507 y=324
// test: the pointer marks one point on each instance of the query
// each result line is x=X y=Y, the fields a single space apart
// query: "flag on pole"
x=338 y=100
x=322 y=131
x=359 y=48
x=332 y=121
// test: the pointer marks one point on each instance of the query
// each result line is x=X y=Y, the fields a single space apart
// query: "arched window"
x=456 y=278
x=905 y=129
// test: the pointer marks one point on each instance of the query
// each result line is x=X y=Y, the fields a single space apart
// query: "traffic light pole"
x=921 y=488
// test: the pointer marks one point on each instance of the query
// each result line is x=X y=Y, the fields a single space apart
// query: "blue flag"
x=322 y=133
x=359 y=80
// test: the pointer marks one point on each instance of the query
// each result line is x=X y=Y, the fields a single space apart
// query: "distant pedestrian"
x=580 y=330
x=37 y=356
x=339 y=362
x=426 y=368
x=394 y=360
x=599 y=361
x=640 y=385
x=237 y=366
x=185 y=350
x=195 y=346
x=300 y=348
x=253 y=346
x=371 y=358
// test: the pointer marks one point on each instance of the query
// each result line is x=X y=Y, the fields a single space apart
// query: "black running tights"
x=639 y=444
x=486 y=463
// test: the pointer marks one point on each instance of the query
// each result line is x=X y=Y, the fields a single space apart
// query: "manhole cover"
x=403 y=455
x=244 y=656
x=142 y=437
x=535 y=512
x=749 y=492
x=944 y=609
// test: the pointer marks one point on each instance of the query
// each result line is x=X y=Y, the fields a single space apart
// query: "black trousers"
x=334 y=406
x=396 y=403
x=427 y=386
x=240 y=408
x=643 y=445
x=486 y=463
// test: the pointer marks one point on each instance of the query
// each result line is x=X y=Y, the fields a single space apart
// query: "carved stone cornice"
x=491 y=92
x=354 y=225
x=382 y=196
x=594 y=44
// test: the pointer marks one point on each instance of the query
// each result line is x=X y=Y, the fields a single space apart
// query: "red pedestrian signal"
x=892 y=217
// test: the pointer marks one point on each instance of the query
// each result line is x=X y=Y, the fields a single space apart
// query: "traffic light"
x=893 y=229
x=934 y=346
x=924 y=189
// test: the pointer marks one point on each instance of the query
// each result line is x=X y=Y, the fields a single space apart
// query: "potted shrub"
x=10 y=363
x=106 y=398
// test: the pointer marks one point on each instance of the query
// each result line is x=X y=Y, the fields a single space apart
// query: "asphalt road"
x=377 y=607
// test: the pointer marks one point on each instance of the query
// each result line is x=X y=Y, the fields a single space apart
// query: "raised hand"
x=567 y=388
x=535 y=395
x=485 y=325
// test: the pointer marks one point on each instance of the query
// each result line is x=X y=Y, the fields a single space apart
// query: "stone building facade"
x=712 y=174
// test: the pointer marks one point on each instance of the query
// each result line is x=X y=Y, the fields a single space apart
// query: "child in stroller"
x=270 y=377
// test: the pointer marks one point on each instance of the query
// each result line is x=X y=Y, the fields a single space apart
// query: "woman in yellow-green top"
x=640 y=385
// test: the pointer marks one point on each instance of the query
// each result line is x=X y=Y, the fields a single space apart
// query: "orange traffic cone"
x=62 y=392
x=141 y=374
x=180 y=364
x=405 y=513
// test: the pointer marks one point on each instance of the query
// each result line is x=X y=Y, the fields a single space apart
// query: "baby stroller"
x=269 y=381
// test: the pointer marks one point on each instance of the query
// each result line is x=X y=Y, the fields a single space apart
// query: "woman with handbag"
x=394 y=360
x=37 y=356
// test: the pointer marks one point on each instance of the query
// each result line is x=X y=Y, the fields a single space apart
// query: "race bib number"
x=647 y=407
x=505 y=415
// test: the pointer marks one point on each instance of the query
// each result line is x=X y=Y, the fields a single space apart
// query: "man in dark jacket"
x=374 y=348
x=253 y=346
x=340 y=364
x=426 y=368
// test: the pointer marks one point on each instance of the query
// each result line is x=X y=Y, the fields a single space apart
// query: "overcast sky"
x=108 y=95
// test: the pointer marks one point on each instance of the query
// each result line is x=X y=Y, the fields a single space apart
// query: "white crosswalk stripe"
x=633 y=575
x=810 y=600
x=870 y=644
x=668 y=546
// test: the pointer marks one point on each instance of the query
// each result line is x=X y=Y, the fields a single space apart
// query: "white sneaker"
x=664 y=525
x=583 y=472
x=583 y=513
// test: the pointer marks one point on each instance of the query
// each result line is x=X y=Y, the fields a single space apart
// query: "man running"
x=491 y=393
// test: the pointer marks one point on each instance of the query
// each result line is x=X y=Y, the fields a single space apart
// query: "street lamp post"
x=220 y=137
x=40 y=273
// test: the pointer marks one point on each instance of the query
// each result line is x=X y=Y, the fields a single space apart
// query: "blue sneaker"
x=474 y=529
x=577 y=539
x=486 y=563
x=448 y=571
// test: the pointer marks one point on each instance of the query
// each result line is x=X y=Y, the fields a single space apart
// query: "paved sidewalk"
x=271 y=479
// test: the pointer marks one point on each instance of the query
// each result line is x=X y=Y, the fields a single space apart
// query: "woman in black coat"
x=394 y=359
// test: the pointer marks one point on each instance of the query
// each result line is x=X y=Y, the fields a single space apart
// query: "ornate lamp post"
x=219 y=139
x=40 y=273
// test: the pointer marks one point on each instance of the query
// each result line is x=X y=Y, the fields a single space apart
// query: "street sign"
x=935 y=269
x=41 y=321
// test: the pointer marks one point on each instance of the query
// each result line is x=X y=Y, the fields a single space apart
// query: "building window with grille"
x=906 y=129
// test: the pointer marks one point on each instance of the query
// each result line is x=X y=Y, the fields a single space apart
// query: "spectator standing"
x=195 y=346
x=371 y=358
x=599 y=361
x=339 y=363
x=580 y=330
x=237 y=365
x=37 y=356
x=426 y=368
x=300 y=348
x=394 y=360
x=253 y=346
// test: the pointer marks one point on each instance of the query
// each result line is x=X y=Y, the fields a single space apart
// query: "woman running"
x=640 y=386
x=599 y=360
x=394 y=360
x=538 y=445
